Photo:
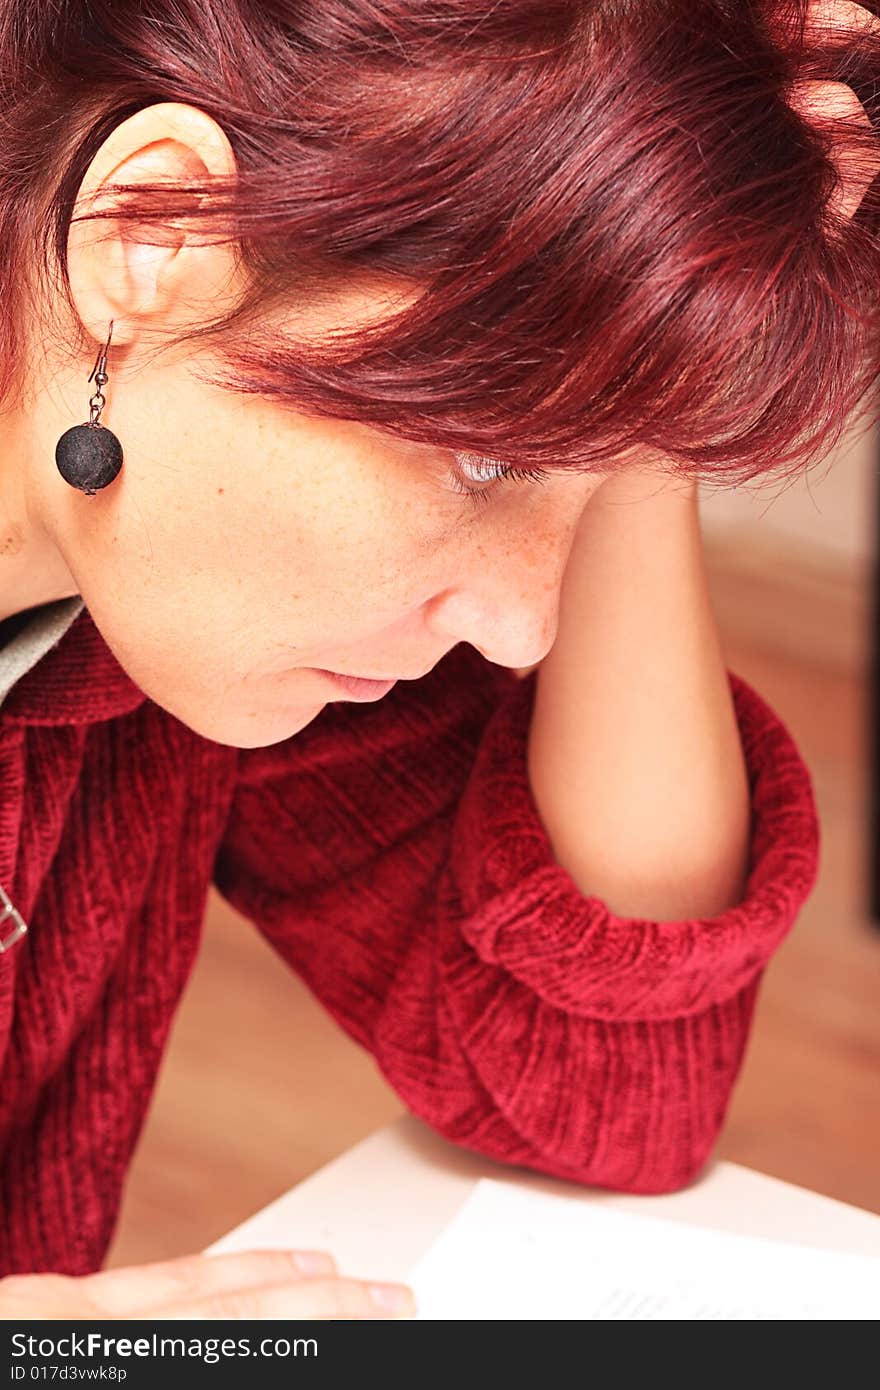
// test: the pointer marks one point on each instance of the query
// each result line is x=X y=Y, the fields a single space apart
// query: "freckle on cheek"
x=11 y=544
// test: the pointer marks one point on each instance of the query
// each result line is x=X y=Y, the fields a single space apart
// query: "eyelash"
x=480 y=496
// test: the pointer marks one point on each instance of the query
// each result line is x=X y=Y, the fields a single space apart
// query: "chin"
x=255 y=730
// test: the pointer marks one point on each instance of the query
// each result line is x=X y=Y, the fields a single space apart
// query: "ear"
x=152 y=276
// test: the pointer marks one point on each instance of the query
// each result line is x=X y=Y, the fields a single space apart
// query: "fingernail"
x=394 y=1298
x=313 y=1262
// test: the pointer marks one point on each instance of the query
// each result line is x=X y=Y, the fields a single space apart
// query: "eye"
x=479 y=468
x=488 y=471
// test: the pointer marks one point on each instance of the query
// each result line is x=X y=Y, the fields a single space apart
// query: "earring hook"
x=100 y=368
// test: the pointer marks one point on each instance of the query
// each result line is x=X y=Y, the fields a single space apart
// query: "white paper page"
x=511 y=1252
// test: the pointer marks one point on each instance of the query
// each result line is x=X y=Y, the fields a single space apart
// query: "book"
x=515 y=1253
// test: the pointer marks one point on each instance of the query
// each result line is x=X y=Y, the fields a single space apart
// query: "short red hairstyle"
x=621 y=226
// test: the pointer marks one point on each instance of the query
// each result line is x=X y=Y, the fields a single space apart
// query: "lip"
x=357 y=688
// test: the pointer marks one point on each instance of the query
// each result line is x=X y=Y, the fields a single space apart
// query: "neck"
x=32 y=569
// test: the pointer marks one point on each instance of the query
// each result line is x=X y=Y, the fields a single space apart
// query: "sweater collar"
x=78 y=681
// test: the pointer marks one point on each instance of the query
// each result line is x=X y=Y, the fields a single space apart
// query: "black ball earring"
x=89 y=456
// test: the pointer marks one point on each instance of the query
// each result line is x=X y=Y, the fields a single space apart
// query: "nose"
x=507 y=606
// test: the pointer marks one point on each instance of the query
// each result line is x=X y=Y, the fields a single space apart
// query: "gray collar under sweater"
x=46 y=627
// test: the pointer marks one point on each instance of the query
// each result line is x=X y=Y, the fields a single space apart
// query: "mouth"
x=358 y=688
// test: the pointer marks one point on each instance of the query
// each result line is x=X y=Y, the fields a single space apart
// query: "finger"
x=310 y=1298
x=41 y=1296
x=134 y=1287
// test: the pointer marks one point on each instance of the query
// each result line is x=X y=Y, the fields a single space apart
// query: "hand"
x=250 y=1284
x=634 y=757
x=641 y=479
x=629 y=483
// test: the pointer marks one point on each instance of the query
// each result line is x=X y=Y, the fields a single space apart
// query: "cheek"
x=216 y=585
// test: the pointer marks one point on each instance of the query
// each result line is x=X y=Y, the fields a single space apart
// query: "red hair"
x=621 y=225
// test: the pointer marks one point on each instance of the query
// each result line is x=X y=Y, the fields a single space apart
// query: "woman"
x=412 y=330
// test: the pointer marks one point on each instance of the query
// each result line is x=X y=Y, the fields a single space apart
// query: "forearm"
x=634 y=754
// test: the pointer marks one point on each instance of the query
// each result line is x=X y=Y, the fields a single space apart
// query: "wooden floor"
x=260 y=1088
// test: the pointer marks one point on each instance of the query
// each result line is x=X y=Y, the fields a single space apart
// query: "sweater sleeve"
x=394 y=856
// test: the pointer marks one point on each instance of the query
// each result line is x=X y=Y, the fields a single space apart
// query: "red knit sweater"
x=393 y=855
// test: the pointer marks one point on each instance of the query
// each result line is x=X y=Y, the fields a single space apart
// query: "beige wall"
x=826 y=518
